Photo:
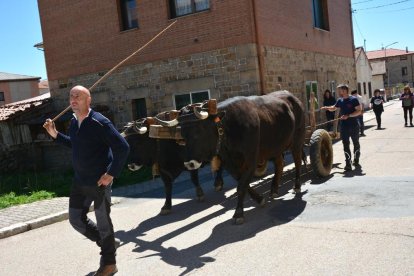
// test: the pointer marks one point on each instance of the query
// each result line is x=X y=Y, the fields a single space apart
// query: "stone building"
x=217 y=49
x=399 y=65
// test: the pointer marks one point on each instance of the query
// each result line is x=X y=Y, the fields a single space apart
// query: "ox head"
x=142 y=147
x=199 y=128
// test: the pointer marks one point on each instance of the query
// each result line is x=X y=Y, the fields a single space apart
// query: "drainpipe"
x=258 y=50
x=412 y=70
x=353 y=42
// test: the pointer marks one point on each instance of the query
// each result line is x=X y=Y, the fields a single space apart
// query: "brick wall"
x=290 y=24
x=82 y=37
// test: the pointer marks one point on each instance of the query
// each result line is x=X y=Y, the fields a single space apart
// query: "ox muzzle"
x=134 y=167
x=192 y=165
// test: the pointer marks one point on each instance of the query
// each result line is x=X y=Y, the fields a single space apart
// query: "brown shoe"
x=106 y=270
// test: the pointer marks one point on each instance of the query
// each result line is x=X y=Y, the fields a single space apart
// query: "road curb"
x=22 y=227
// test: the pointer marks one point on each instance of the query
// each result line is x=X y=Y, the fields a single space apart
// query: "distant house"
x=43 y=87
x=14 y=87
x=378 y=74
x=364 y=75
x=399 y=65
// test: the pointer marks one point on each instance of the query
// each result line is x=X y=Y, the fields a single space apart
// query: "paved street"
x=356 y=223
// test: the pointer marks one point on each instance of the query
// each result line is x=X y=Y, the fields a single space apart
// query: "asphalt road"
x=357 y=223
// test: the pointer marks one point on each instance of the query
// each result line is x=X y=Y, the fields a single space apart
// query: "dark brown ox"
x=168 y=154
x=244 y=132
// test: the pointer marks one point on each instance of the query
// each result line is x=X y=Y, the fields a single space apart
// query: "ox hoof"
x=296 y=190
x=200 y=198
x=164 y=212
x=273 y=195
x=262 y=202
x=218 y=188
x=238 y=221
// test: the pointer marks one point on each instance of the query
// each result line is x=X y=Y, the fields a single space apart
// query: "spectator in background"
x=360 y=118
x=329 y=100
x=407 y=104
x=377 y=104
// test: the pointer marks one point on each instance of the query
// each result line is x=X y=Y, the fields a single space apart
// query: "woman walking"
x=407 y=104
x=377 y=105
x=329 y=100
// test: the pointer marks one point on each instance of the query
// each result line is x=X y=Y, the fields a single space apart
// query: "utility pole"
x=386 y=66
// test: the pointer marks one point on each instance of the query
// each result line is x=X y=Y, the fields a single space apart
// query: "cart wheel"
x=261 y=169
x=321 y=153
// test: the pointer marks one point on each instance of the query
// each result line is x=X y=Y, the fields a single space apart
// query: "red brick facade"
x=84 y=36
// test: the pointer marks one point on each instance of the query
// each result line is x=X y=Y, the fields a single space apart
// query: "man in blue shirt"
x=350 y=109
x=99 y=153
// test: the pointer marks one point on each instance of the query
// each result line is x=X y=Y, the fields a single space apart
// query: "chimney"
x=406 y=50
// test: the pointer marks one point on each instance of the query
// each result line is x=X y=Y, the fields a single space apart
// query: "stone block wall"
x=225 y=72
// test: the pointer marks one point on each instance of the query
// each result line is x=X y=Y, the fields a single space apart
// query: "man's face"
x=342 y=92
x=79 y=100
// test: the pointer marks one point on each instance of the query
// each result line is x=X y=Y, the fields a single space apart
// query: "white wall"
x=364 y=75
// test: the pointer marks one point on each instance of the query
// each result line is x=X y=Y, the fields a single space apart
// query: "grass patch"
x=25 y=187
x=12 y=199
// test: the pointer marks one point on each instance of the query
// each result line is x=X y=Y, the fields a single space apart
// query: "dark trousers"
x=378 y=117
x=361 y=124
x=408 y=109
x=81 y=198
x=353 y=133
x=329 y=117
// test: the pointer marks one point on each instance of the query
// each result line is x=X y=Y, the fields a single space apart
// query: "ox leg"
x=274 y=186
x=297 y=157
x=195 y=180
x=166 y=209
x=242 y=188
x=256 y=196
x=218 y=182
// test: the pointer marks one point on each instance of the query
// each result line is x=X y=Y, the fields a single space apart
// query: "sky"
x=378 y=22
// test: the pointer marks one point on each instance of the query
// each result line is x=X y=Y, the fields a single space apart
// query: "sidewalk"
x=18 y=219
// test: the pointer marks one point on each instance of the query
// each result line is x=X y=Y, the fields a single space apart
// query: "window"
x=359 y=88
x=128 y=14
x=365 y=88
x=369 y=90
x=139 y=109
x=190 y=98
x=404 y=57
x=183 y=7
x=404 y=71
x=333 y=88
x=320 y=14
x=1 y=96
x=312 y=86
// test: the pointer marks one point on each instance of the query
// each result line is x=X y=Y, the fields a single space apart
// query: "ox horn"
x=200 y=114
x=142 y=130
x=169 y=123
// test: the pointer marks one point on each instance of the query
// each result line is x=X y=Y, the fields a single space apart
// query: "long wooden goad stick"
x=118 y=65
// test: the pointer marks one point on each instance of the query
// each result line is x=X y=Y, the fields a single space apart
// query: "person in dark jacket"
x=329 y=100
x=99 y=153
x=377 y=104
x=350 y=109
x=407 y=104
